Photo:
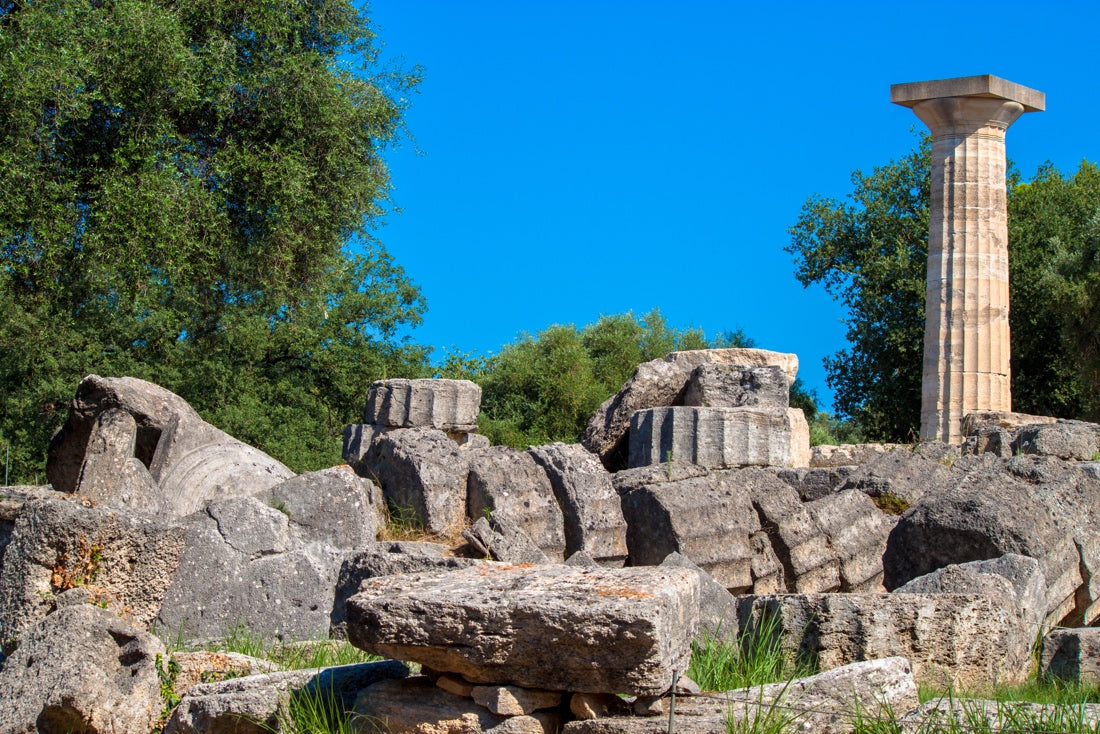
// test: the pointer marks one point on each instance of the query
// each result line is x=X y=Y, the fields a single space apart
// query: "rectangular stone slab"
x=552 y=627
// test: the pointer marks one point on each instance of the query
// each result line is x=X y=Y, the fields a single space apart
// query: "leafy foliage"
x=177 y=182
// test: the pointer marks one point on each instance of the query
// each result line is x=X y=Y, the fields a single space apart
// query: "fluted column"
x=966 y=338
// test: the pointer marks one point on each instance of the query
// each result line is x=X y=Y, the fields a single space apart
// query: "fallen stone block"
x=550 y=627
x=331 y=506
x=732 y=386
x=712 y=437
x=708 y=520
x=661 y=383
x=809 y=562
x=83 y=669
x=501 y=541
x=111 y=475
x=422 y=470
x=717 y=607
x=849 y=454
x=590 y=506
x=903 y=474
x=415 y=705
x=447 y=405
x=960 y=640
x=858 y=532
x=255 y=704
x=824 y=704
x=1072 y=655
x=514 y=489
x=1071 y=440
x=58 y=544
x=189 y=460
x=973 y=422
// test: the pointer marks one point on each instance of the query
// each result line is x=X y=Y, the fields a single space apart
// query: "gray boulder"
x=512 y=488
x=259 y=703
x=813 y=483
x=111 y=474
x=58 y=544
x=858 y=532
x=82 y=669
x=1071 y=440
x=717 y=607
x=591 y=509
x=190 y=460
x=502 y=541
x=447 y=405
x=422 y=470
x=732 y=386
x=552 y=627
x=332 y=506
x=903 y=474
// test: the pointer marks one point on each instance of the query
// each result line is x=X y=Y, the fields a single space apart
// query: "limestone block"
x=448 y=405
x=359 y=439
x=849 y=454
x=512 y=487
x=332 y=506
x=58 y=544
x=551 y=627
x=190 y=460
x=710 y=521
x=204 y=666
x=111 y=475
x=661 y=383
x=414 y=706
x=82 y=669
x=961 y=640
x=385 y=559
x=816 y=482
x=1072 y=655
x=857 y=533
x=423 y=470
x=809 y=563
x=902 y=474
x=801 y=453
x=502 y=541
x=514 y=701
x=1064 y=439
x=252 y=705
x=711 y=437
x=732 y=386
x=825 y=703
x=590 y=506
x=973 y=422
x=717 y=607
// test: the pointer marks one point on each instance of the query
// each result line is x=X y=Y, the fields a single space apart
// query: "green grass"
x=756 y=658
x=312 y=710
x=294 y=655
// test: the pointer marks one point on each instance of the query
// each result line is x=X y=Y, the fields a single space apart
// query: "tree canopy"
x=178 y=185
x=870 y=252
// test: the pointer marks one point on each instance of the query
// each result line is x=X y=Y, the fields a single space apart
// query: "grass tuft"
x=756 y=658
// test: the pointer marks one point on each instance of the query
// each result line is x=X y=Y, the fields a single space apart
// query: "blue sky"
x=574 y=159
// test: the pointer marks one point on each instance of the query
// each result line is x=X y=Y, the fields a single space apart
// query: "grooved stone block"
x=712 y=437
x=449 y=405
x=551 y=627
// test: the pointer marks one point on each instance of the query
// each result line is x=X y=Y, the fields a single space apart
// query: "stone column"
x=966 y=337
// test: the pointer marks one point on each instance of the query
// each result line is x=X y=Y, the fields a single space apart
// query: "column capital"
x=983 y=85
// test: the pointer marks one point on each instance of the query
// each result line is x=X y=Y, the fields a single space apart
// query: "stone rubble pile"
x=557 y=588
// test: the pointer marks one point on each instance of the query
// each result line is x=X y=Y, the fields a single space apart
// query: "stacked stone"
x=451 y=406
x=729 y=416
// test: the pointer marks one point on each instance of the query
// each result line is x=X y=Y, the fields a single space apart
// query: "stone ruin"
x=557 y=588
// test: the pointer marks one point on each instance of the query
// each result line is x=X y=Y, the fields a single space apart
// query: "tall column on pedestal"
x=966 y=337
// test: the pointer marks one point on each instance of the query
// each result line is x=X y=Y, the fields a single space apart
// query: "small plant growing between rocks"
x=402 y=523
x=69 y=573
x=891 y=504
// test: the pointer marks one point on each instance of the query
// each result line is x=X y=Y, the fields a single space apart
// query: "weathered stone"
x=589 y=503
x=809 y=563
x=58 y=544
x=586 y=706
x=204 y=666
x=710 y=521
x=732 y=386
x=660 y=383
x=503 y=542
x=857 y=533
x=82 y=669
x=516 y=490
x=455 y=684
x=415 y=706
x=644 y=476
x=190 y=460
x=255 y=704
x=902 y=474
x=717 y=607
x=801 y=454
x=111 y=475
x=422 y=470
x=826 y=703
x=711 y=437
x=243 y=564
x=385 y=559
x=551 y=627
x=849 y=454
x=581 y=559
x=1034 y=506
x=961 y=640
x=1072 y=655
x=813 y=483
x=448 y=405
x=977 y=420
x=359 y=439
x=990 y=440
x=1065 y=439
x=332 y=506
x=514 y=701
x=976 y=714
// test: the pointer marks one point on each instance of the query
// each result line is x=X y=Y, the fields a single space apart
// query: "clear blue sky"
x=574 y=159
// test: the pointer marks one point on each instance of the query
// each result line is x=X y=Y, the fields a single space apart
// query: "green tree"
x=177 y=185
x=871 y=252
